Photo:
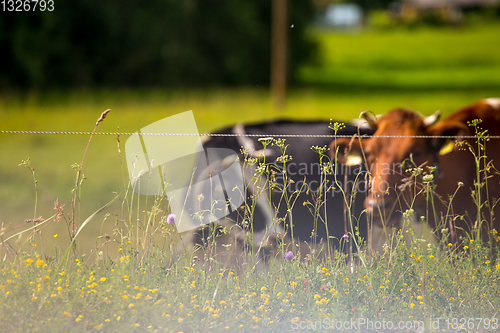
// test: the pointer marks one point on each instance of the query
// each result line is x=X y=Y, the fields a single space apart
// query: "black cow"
x=304 y=175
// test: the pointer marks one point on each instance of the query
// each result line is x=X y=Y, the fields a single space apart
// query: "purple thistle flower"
x=171 y=218
x=289 y=255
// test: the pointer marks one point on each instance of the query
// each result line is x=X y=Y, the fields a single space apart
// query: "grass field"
x=413 y=59
x=52 y=155
x=118 y=290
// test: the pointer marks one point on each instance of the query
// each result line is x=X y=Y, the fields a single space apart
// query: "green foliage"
x=426 y=58
x=130 y=43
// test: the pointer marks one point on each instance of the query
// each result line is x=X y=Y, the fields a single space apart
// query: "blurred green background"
x=145 y=62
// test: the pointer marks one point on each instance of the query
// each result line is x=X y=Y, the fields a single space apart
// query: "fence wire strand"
x=252 y=135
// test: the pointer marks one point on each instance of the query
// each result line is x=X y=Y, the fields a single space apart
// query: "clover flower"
x=171 y=218
x=289 y=255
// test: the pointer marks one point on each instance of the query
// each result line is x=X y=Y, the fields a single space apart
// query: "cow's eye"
x=416 y=154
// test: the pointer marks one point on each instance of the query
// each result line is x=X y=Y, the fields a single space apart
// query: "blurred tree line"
x=157 y=42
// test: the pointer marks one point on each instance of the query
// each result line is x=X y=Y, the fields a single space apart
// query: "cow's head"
x=391 y=152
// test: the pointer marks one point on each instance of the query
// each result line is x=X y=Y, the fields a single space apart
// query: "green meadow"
x=421 y=58
x=118 y=275
x=52 y=156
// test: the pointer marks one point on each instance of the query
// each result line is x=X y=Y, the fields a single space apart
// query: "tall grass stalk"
x=73 y=240
x=78 y=181
x=26 y=163
x=248 y=163
x=347 y=203
x=320 y=199
x=483 y=169
x=283 y=159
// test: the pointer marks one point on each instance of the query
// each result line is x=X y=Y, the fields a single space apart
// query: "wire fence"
x=251 y=135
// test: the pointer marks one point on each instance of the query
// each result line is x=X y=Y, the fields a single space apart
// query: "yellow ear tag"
x=447 y=147
x=354 y=158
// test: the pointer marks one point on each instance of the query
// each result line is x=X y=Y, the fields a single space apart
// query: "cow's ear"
x=346 y=151
x=447 y=128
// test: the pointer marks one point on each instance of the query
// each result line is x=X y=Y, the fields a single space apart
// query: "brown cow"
x=393 y=190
